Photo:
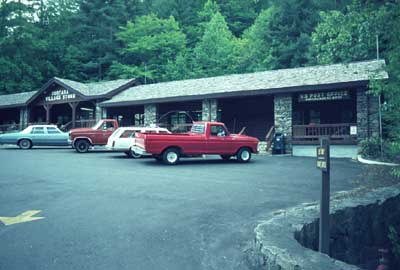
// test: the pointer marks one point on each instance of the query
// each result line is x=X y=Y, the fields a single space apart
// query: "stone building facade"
x=301 y=103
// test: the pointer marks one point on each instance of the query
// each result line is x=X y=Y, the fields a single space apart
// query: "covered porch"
x=318 y=114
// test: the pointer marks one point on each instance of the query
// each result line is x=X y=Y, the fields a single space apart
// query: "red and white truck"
x=209 y=138
x=83 y=138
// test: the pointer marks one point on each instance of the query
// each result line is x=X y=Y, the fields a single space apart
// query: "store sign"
x=322 y=96
x=59 y=95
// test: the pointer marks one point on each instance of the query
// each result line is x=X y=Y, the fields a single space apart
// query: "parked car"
x=36 y=135
x=210 y=138
x=84 y=138
x=123 y=139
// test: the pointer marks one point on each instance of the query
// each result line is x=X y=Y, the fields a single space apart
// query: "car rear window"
x=198 y=128
x=53 y=130
x=128 y=134
x=38 y=130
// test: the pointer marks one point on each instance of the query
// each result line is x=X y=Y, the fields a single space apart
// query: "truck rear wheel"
x=171 y=156
x=82 y=146
x=243 y=155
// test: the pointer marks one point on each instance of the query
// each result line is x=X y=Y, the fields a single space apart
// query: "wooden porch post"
x=47 y=107
x=73 y=106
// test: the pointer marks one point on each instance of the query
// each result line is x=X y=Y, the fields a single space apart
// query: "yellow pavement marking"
x=24 y=217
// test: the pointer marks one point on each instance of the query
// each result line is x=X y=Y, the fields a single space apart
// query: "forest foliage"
x=161 y=40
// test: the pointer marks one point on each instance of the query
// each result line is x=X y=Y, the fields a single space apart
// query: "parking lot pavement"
x=104 y=211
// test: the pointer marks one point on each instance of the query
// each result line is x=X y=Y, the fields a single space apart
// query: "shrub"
x=371 y=148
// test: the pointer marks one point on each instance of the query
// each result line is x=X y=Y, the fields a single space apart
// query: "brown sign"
x=322 y=96
x=60 y=95
x=322 y=158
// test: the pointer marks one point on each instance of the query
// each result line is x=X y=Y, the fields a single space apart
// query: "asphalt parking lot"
x=105 y=211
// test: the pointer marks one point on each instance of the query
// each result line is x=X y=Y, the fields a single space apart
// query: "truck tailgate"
x=140 y=140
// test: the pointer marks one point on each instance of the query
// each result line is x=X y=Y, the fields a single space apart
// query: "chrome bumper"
x=140 y=151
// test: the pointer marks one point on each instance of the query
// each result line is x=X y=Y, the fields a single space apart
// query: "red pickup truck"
x=211 y=138
x=83 y=138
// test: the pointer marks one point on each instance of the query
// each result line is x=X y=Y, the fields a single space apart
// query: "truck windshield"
x=97 y=126
x=198 y=128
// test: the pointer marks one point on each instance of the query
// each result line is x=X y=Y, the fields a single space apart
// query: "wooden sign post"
x=323 y=163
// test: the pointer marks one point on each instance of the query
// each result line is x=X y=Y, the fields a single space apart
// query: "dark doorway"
x=255 y=113
x=60 y=114
x=128 y=115
x=37 y=115
x=178 y=116
x=9 y=116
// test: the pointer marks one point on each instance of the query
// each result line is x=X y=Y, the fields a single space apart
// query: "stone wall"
x=283 y=118
x=150 y=114
x=367 y=115
x=210 y=110
x=357 y=232
x=275 y=246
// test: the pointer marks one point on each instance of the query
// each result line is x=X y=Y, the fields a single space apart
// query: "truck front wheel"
x=243 y=155
x=171 y=156
x=82 y=146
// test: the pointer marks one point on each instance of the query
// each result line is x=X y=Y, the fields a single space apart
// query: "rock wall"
x=209 y=110
x=357 y=232
x=283 y=118
x=150 y=114
x=367 y=115
x=275 y=246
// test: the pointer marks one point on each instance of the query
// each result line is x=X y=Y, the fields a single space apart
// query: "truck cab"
x=84 y=138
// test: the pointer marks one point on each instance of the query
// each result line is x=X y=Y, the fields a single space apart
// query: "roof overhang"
x=274 y=91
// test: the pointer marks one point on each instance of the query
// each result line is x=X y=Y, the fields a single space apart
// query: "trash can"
x=278 y=144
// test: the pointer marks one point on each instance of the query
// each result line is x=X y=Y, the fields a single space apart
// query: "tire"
x=171 y=156
x=243 y=155
x=134 y=154
x=226 y=157
x=25 y=144
x=82 y=146
x=128 y=154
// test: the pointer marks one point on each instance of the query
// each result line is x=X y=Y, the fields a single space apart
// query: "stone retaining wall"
x=275 y=246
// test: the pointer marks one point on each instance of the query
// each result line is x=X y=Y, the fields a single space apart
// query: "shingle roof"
x=14 y=100
x=95 y=88
x=266 y=80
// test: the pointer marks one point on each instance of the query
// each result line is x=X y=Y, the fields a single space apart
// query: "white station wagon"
x=123 y=139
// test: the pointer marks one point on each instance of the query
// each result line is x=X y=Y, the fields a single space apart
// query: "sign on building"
x=60 y=95
x=322 y=96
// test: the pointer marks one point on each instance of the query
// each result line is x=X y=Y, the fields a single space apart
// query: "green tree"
x=239 y=14
x=218 y=51
x=23 y=60
x=280 y=36
x=148 y=44
x=93 y=30
x=348 y=36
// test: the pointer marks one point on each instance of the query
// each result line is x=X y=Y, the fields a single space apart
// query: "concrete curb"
x=373 y=162
x=275 y=247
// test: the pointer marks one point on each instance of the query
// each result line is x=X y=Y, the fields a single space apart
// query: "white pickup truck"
x=123 y=139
